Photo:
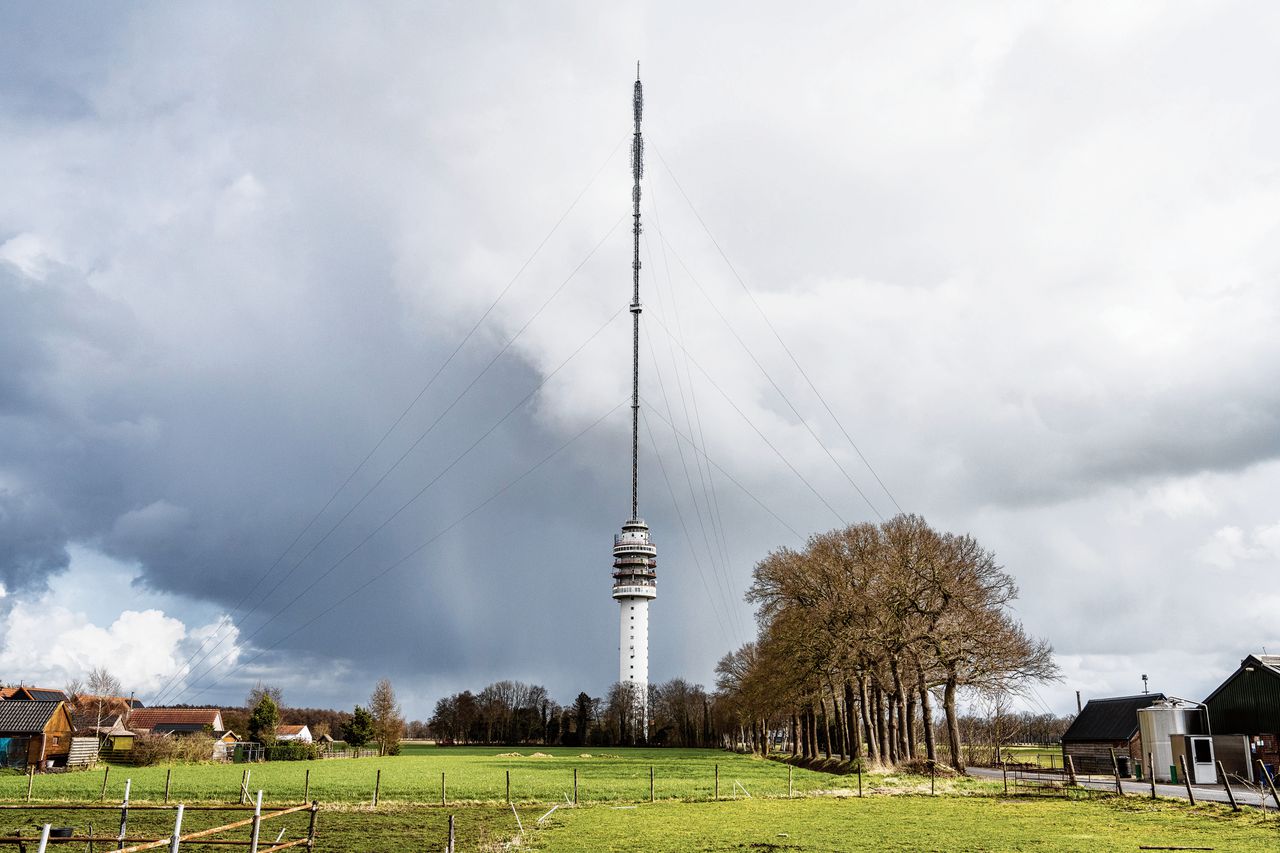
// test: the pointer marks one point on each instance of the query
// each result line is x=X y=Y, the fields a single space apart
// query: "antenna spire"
x=637 y=169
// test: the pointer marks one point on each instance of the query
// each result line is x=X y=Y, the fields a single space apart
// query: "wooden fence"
x=172 y=842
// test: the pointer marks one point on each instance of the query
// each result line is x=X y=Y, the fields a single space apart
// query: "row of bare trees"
x=862 y=631
x=679 y=713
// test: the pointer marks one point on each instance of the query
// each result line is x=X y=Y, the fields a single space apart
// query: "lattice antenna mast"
x=637 y=169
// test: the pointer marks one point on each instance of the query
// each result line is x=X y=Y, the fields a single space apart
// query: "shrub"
x=157 y=749
x=291 y=751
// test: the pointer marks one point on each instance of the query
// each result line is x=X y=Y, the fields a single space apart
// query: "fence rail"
x=174 y=840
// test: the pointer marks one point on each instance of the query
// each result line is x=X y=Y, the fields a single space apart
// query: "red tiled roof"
x=149 y=718
x=289 y=730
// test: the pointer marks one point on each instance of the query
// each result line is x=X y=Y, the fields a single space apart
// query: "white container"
x=1156 y=725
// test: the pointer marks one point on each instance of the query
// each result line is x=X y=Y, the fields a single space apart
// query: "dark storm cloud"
x=236 y=241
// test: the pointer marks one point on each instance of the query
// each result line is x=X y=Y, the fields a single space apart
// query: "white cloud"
x=30 y=253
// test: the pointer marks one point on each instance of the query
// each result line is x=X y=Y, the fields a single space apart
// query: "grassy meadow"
x=896 y=813
x=472 y=774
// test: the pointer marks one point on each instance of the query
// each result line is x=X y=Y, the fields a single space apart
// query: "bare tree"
x=104 y=686
x=259 y=690
x=388 y=724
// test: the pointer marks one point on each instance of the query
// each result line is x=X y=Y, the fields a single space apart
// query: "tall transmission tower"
x=635 y=560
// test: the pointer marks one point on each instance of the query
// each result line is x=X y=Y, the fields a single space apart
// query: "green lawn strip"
x=339 y=828
x=902 y=823
x=473 y=774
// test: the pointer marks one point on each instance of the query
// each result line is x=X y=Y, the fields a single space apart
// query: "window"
x=1203 y=750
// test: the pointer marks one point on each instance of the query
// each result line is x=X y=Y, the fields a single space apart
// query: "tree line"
x=859 y=633
x=513 y=712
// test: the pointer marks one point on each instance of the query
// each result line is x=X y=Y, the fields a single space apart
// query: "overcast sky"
x=1026 y=252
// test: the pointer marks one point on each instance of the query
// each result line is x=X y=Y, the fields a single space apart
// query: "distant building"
x=175 y=721
x=1248 y=704
x=301 y=734
x=23 y=693
x=1103 y=725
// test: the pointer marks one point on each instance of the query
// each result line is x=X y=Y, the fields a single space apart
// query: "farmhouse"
x=301 y=734
x=1248 y=704
x=1104 y=725
x=34 y=733
x=175 y=721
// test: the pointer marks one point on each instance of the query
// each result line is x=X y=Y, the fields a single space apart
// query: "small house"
x=300 y=734
x=34 y=733
x=1104 y=725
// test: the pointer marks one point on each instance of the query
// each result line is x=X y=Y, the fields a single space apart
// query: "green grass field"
x=472 y=774
x=896 y=812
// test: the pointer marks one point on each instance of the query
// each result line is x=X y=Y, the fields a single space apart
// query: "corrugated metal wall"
x=1248 y=704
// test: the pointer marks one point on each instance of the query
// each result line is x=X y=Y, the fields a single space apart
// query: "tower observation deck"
x=635 y=577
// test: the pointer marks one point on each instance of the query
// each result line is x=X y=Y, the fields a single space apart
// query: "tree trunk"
x=911 y=722
x=882 y=729
x=851 y=722
x=826 y=723
x=795 y=734
x=864 y=707
x=953 y=722
x=926 y=714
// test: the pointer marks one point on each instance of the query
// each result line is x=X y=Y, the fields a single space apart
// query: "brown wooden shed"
x=34 y=733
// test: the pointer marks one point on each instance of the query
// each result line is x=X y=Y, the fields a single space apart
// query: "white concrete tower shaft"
x=634 y=555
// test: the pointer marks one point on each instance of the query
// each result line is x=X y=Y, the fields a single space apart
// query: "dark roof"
x=25 y=693
x=1110 y=719
x=26 y=717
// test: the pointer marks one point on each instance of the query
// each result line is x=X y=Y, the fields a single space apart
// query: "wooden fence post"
x=306 y=787
x=377 y=787
x=442 y=788
x=1004 y=773
x=244 y=786
x=1115 y=767
x=256 y=829
x=1186 y=778
x=31 y=780
x=311 y=826
x=1226 y=783
x=176 y=838
x=168 y=777
x=717 y=781
x=651 y=783
x=575 y=786
x=1071 y=771
x=124 y=811
x=789 y=787
x=1151 y=765
x=859 y=777
x=1264 y=776
x=449 y=848
x=106 y=774
x=508 y=787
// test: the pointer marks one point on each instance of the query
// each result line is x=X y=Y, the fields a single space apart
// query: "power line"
x=404 y=413
x=803 y=422
x=416 y=550
x=777 y=336
x=707 y=479
x=433 y=480
x=681 y=436
x=722 y=570
x=751 y=424
x=689 y=539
